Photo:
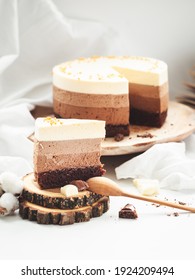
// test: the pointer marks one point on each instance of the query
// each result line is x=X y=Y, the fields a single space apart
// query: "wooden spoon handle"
x=160 y=202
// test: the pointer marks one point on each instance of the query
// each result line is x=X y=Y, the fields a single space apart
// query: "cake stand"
x=180 y=123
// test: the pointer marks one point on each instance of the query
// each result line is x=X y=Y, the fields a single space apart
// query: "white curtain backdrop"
x=35 y=36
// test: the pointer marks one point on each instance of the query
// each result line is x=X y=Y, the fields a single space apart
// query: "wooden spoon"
x=105 y=186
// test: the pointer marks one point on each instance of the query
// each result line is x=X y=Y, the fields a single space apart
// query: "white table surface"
x=154 y=235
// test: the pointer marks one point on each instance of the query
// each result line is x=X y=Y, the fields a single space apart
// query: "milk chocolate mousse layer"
x=52 y=155
x=67 y=150
x=114 y=110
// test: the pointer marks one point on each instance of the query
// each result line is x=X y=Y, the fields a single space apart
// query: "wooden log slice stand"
x=51 y=207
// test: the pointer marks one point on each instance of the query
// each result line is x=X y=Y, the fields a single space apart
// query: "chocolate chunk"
x=128 y=212
x=118 y=137
x=81 y=185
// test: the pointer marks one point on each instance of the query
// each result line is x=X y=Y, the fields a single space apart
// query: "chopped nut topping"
x=53 y=121
x=63 y=68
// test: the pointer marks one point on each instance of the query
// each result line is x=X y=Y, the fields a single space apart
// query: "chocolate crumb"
x=145 y=135
x=181 y=203
x=128 y=212
x=118 y=137
x=156 y=205
x=176 y=214
x=81 y=185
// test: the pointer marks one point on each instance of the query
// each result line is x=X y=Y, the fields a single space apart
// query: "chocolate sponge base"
x=59 y=178
x=113 y=130
x=139 y=117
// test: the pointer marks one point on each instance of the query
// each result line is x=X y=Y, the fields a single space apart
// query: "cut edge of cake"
x=67 y=150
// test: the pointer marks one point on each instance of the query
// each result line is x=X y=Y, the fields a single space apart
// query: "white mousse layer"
x=109 y=74
x=53 y=129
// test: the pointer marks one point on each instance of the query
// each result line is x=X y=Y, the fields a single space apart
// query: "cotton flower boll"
x=3 y=212
x=1 y=191
x=9 y=202
x=11 y=183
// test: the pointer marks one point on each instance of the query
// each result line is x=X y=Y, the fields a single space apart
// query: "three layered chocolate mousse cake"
x=67 y=150
x=118 y=90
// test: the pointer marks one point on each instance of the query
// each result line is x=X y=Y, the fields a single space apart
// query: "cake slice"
x=67 y=150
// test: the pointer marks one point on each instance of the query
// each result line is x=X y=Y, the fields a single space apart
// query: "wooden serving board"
x=43 y=215
x=179 y=124
x=51 y=207
x=52 y=198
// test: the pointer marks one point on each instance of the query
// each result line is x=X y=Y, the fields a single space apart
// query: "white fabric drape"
x=173 y=164
x=35 y=36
